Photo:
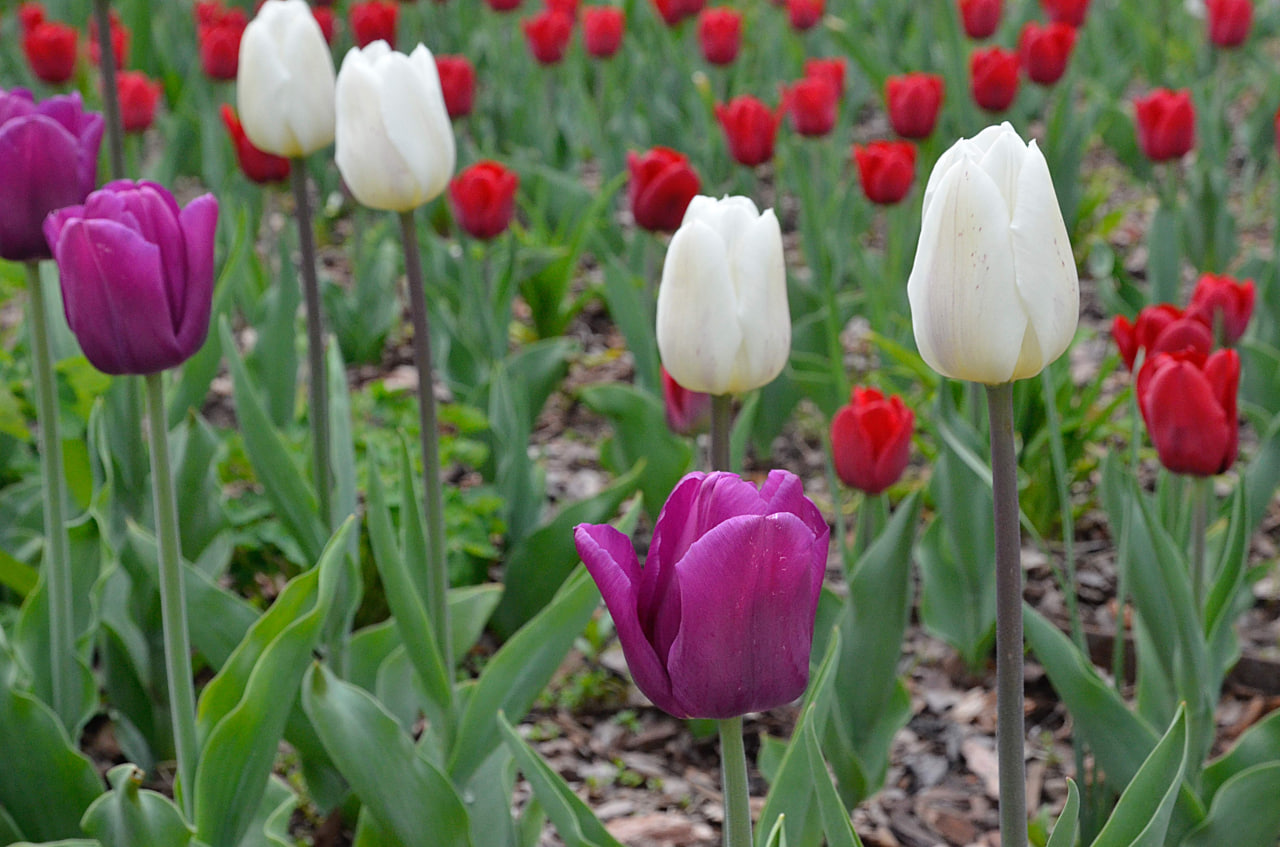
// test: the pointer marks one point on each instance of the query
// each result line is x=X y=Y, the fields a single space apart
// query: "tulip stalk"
x=57 y=556
x=110 y=94
x=733 y=776
x=1201 y=492
x=173 y=610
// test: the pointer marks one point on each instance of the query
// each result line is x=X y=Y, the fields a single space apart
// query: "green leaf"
x=836 y=823
x=19 y=577
x=1141 y=817
x=469 y=610
x=1259 y=745
x=1244 y=811
x=128 y=816
x=1068 y=825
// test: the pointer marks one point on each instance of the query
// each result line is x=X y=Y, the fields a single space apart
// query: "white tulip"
x=284 y=85
x=395 y=144
x=994 y=292
x=723 y=321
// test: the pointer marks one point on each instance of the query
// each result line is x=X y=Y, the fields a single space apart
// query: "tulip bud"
x=980 y=18
x=812 y=103
x=723 y=321
x=994 y=292
x=993 y=78
x=218 y=36
x=871 y=440
x=805 y=14
x=1229 y=21
x=1044 y=51
x=1188 y=402
x=1162 y=328
x=119 y=40
x=688 y=412
x=50 y=48
x=395 y=147
x=913 y=101
x=548 y=34
x=750 y=127
x=1166 y=123
x=719 y=621
x=1069 y=12
x=886 y=169
x=374 y=20
x=458 y=82
x=602 y=28
x=1224 y=304
x=136 y=274
x=720 y=35
x=258 y=165
x=661 y=184
x=832 y=70
x=285 y=82
x=138 y=98
x=483 y=199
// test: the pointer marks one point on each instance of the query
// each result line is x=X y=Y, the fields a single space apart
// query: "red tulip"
x=1188 y=402
x=602 y=28
x=50 y=48
x=1044 y=51
x=913 y=101
x=720 y=34
x=483 y=199
x=1163 y=328
x=662 y=183
x=324 y=17
x=812 y=103
x=503 y=5
x=993 y=78
x=832 y=70
x=548 y=34
x=1166 y=124
x=673 y=12
x=257 y=165
x=1069 y=12
x=887 y=169
x=569 y=8
x=1224 y=303
x=688 y=412
x=1229 y=21
x=119 y=40
x=750 y=127
x=218 y=34
x=374 y=20
x=981 y=18
x=805 y=14
x=458 y=81
x=871 y=440
x=138 y=98
x=30 y=15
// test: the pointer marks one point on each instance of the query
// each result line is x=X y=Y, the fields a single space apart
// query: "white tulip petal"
x=1003 y=162
x=368 y=163
x=760 y=281
x=310 y=104
x=700 y=208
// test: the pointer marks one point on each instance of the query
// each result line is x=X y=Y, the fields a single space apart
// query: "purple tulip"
x=719 y=622
x=48 y=159
x=137 y=275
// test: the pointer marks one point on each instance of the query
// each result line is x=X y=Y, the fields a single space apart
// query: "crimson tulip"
x=805 y=14
x=886 y=169
x=1162 y=328
x=993 y=78
x=1044 y=51
x=50 y=48
x=30 y=15
x=1188 y=402
x=602 y=28
x=981 y=18
x=1069 y=12
x=913 y=101
x=673 y=12
x=548 y=34
x=871 y=440
x=1229 y=21
x=1224 y=303
x=662 y=183
x=503 y=5
x=374 y=20
x=218 y=34
x=258 y=165
x=832 y=70
x=328 y=26
x=812 y=104
x=139 y=95
x=750 y=128
x=483 y=199
x=720 y=34
x=119 y=40
x=458 y=82
x=687 y=411
x=1166 y=122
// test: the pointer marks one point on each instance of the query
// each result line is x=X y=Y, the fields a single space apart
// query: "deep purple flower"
x=719 y=621
x=48 y=159
x=137 y=275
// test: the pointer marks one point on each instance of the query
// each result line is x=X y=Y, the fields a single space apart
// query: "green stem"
x=1009 y=695
x=437 y=586
x=173 y=609
x=837 y=506
x=873 y=514
x=110 y=94
x=733 y=775
x=1201 y=491
x=317 y=389
x=57 y=558
x=721 y=424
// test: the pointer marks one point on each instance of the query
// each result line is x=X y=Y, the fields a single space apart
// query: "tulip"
x=1188 y=402
x=458 y=83
x=119 y=41
x=568 y=8
x=1166 y=122
x=285 y=83
x=1069 y=12
x=48 y=159
x=503 y=5
x=548 y=34
x=887 y=169
x=218 y=36
x=1044 y=51
x=395 y=146
x=138 y=98
x=374 y=20
x=805 y=14
x=980 y=18
x=1163 y=328
x=1225 y=303
x=30 y=15
x=723 y=321
x=673 y=12
x=832 y=70
x=137 y=275
x=720 y=35
x=483 y=199
x=812 y=103
x=602 y=28
x=993 y=78
x=688 y=412
x=719 y=621
x=661 y=184
x=994 y=293
x=871 y=440
x=50 y=48
x=913 y=101
x=750 y=128
x=257 y=165
x=1229 y=21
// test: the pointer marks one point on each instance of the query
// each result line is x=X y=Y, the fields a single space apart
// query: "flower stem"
x=110 y=94
x=437 y=585
x=317 y=389
x=721 y=424
x=733 y=776
x=57 y=558
x=1201 y=490
x=173 y=609
x=1009 y=715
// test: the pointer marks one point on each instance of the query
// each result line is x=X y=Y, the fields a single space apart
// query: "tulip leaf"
x=1244 y=811
x=1141 y=817
x=1068 y=825
x=15 y=575
x=1259 y=745
x=128 y=816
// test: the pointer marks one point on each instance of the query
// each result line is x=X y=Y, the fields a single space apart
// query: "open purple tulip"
x=137 y=275
x=719 y=621
x=48 y=159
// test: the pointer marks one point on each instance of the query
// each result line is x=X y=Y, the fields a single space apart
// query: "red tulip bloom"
x=981 y=18
x=1163 y=328
x=1229 y=21
x=564 y=7
x=328 y=26
x=258 y=165
x=750 y=128
x=458 y=82
x=218 y=34
x=913 y=101
x=1044 y=51
x=720 y=34
x=503 y=5
x=119 y=40
x=688 y=412
x=1224 y=303
x=30 y=15
x=673 y=12
x=548 y=34
x=805 y=14
x=138 y=98
x=993 y=78
x=50 y=48
x=374 y=20
x=602 y=28
x=832 y=70
x=1166 y=124
x=1069 y=12
x=483 y=199
x=1188 y=402
x=886 y=169
x=661 y=185
x=812 y=103
x=871 y=440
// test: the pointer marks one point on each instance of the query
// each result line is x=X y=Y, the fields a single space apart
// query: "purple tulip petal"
x=698 y=503
x=199 y=222
x=35 y=154
x=784 y=492
x=749 y=590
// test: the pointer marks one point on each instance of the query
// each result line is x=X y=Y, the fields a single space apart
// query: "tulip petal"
x=698 y=503
x=371 y=168
x=748 y=595
x=763 y=313
x=784 y=492
x=32 y=149
x=1187 y=425
x=417 y=124
x=199 y=222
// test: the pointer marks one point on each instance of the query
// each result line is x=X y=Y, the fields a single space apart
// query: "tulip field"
x=507 y=423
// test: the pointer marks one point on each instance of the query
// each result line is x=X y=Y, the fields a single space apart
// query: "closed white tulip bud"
x=723 y=321
x=994 y=292
x=284 y=85
x=395 y=144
